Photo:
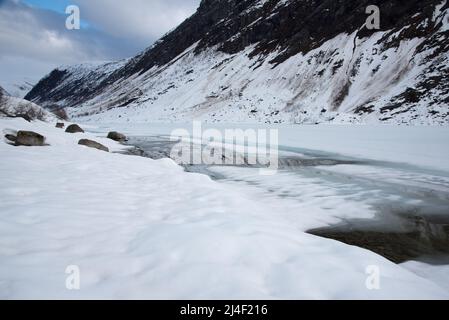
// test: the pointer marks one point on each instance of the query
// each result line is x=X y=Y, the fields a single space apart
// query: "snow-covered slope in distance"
x=399 y=75
x=3 y=92
x=20 y=88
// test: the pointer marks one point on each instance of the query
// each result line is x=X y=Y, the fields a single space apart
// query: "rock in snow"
x=74 y=128
x=29 y=139
x=116 y=136
x=93 y=144
x=10 y=137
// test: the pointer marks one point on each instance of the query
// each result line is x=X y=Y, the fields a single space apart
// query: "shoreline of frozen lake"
x=400 y=231
x=144 y=229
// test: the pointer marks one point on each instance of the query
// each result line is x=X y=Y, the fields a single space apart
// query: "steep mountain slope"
x=296 y=61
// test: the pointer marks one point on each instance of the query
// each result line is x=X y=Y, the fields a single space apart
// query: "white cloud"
x=142 y=19
x=34 y=41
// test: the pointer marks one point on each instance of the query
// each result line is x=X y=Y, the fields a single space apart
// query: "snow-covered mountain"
x=3 y=92
x=295 y=61
x=20 y=89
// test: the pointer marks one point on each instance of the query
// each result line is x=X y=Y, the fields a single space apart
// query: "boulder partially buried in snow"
x=116 y=136
x=10 y=137
x=74 y=128
x=60 y=125
x=29 y=139
x=93 y=144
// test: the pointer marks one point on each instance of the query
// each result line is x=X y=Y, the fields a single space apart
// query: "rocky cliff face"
x=3 y=92
x=302 y=61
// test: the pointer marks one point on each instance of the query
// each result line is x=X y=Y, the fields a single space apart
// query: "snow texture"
x=12 y=106
x=139 y=228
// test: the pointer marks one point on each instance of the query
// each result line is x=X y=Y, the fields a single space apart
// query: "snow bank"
x=12 y=106
x=139 y=228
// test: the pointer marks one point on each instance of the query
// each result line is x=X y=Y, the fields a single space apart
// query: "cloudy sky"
x=34 y=39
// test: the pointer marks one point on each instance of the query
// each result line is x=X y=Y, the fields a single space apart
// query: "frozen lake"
x=382 y=188
x=161 y=229
x=400 y=212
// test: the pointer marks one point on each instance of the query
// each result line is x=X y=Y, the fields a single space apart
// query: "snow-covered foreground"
x=139 y=228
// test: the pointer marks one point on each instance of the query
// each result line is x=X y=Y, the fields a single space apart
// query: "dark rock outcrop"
x=93 y=144
x=29 y=139
x=116 y=136
x=24 y=116
x=74 y=128
x=60 y=125
x=3 y=92
x=10 y=137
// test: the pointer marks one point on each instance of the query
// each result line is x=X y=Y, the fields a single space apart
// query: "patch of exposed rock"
x=93 y=144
